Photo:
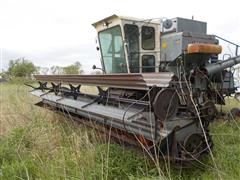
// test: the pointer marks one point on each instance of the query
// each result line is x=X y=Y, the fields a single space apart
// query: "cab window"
x=148 y=38
x=148 y=63
x=112 y=50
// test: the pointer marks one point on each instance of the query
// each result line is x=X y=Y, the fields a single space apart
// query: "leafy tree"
x=70 y=69
x=3 y=75
x=21 y=68
x=73 y=68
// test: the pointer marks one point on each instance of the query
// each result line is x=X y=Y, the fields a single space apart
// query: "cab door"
x=148 y=49
x=132 y=39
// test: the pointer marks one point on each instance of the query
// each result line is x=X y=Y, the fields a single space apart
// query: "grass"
x=39 y=144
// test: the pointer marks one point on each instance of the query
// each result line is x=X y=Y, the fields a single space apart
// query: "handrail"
x=230 y=42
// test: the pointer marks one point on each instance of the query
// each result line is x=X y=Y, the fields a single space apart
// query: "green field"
x=39 y=144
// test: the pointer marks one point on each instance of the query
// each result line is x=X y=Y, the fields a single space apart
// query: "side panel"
x=174 y=44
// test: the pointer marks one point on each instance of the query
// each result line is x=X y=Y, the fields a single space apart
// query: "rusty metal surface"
x=126 y=81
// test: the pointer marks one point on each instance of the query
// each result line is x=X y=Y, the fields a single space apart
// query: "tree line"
x=24 y=68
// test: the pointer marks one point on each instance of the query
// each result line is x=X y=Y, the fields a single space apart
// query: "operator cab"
x=128 y=45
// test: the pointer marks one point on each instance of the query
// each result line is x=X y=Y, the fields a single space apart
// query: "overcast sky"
x=55 y=32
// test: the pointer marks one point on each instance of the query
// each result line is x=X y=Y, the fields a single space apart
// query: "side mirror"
x=94 y=67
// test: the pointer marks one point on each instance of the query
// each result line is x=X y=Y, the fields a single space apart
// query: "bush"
x=21 y=68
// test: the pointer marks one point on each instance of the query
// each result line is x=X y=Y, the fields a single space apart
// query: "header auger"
x=160 y=85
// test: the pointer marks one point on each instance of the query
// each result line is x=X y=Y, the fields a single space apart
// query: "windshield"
x=112 y=50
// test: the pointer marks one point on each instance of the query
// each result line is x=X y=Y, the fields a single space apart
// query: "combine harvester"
x=160 y=83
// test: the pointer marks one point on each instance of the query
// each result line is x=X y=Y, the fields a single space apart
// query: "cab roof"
x=114 y=16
